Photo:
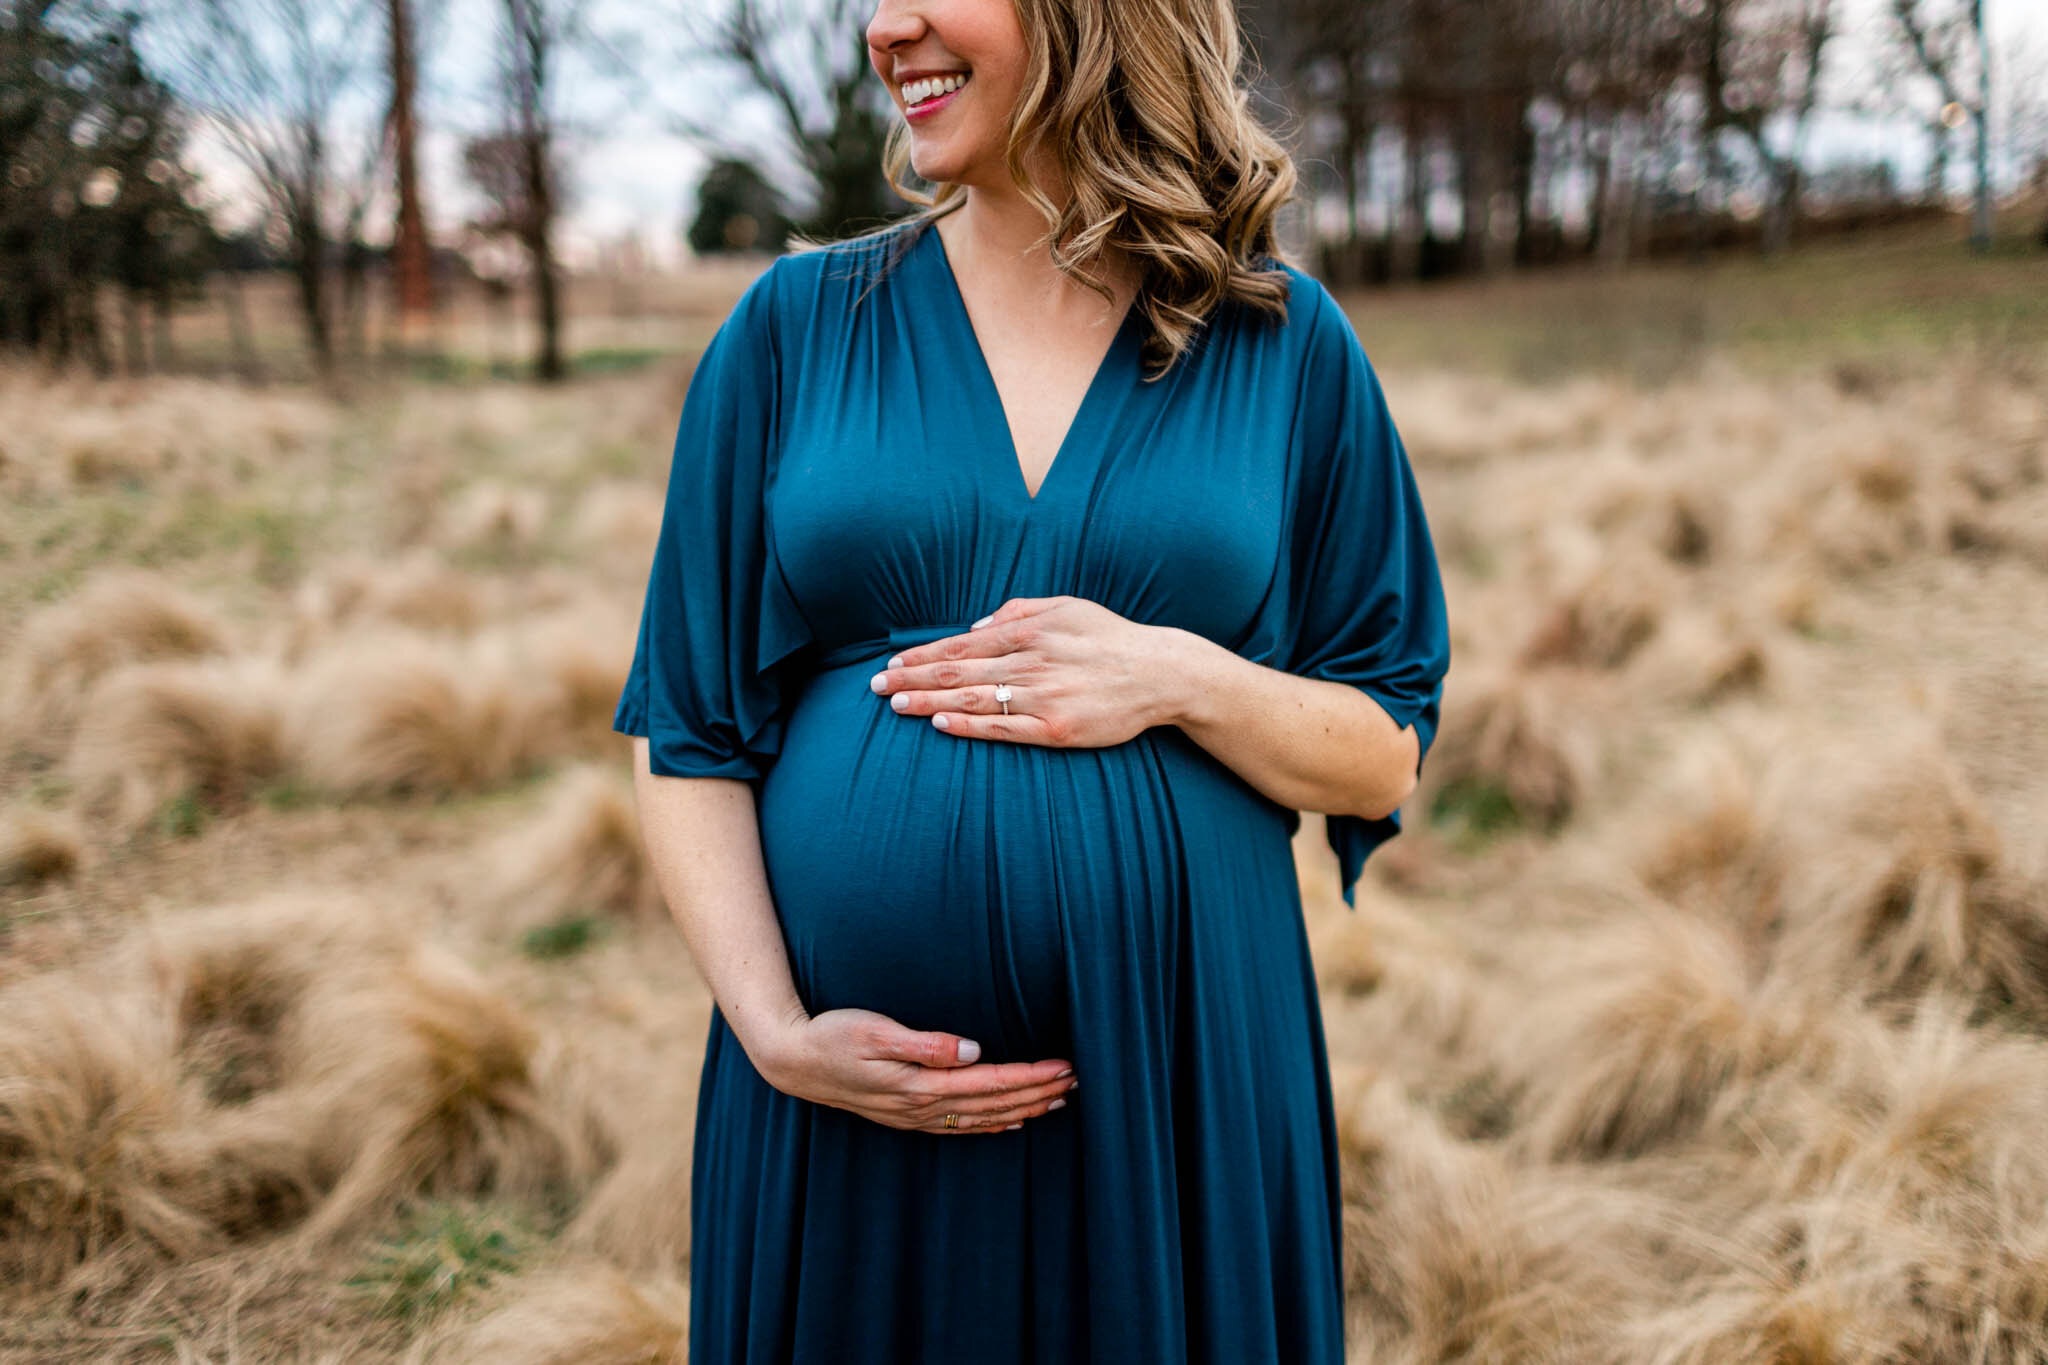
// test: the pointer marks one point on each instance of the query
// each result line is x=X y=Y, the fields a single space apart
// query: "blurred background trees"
x=1438 y=138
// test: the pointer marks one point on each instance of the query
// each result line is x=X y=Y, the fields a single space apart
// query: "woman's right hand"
x=868 y=1063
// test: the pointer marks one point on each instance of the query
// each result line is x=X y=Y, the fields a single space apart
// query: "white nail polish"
x=982 y=622
x=876 y=682
x=899 y=701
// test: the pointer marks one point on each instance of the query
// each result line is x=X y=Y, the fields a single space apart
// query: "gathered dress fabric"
x=844 y=484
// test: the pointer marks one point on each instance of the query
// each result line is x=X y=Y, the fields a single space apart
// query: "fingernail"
x=900 y=700
x=895 y=661
x=982 y=622
x=1012 y=1127
x=969 y=1049
x=941 y=721
x=1064 y=1074
x=877 y=681
x=1057 y=1104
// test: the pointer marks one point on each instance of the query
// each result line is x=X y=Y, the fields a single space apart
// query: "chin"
x=938 y=170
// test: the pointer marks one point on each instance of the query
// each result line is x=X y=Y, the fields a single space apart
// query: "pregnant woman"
x=1025 y=567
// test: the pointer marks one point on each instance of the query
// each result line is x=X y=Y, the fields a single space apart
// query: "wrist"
x=772 y=1042
x=1186 y=679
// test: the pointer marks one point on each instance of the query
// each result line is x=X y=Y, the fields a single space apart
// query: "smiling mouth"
x=933 y=102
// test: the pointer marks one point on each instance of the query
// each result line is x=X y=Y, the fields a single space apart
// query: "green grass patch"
x=49 y=789
x=443 y=1252
x=616 y=459
x=290 y=792
x=516 y=792
x=617 y=359
x=455 y=367
x=564 y=937
x=1474 y=811
x=184 y=816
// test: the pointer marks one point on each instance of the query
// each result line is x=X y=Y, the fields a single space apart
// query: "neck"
x=992 y=235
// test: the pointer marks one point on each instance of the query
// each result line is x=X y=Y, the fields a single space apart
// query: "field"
x=1699 y=1015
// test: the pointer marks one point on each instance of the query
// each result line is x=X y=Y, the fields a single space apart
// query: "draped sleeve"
x=720 y=637
x=1363 y=601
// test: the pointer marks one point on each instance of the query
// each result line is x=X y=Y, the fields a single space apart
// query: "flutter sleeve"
x=719 y=632
x=1363 y=600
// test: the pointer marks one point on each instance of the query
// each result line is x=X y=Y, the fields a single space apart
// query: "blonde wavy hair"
x=1138 y=104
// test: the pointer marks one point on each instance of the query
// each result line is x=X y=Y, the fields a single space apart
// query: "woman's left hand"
x=1080 y=675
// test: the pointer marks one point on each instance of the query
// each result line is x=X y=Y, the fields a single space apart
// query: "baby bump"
x=912 y=874
x=984 y=886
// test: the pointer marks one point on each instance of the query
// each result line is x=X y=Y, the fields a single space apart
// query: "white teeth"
x=917 y=92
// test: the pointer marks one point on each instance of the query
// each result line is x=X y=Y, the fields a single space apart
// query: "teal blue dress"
x=843 y=485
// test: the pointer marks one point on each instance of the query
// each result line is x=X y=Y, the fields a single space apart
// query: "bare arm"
x=1307 y=743
x=703 y=837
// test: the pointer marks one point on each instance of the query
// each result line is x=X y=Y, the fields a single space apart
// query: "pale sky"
x=635 y=176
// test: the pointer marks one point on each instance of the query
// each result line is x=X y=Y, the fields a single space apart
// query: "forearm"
x=703 y=842
x=1307 y=743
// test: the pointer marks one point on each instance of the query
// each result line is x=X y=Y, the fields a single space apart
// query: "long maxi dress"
x=843 y=485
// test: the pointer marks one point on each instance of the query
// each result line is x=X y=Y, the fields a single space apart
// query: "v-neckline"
x=982 y=381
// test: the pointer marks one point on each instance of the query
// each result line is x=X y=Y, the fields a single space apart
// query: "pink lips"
x=932 y=106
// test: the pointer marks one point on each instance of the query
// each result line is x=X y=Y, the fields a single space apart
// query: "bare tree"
x=411 y=277
x=1768 y=57
x=808 y=61
x=536 y=37
x=2023 y=75
x=273 y=78
x=1948 y=42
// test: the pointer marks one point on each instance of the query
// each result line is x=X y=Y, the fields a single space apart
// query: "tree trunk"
x=1527 y=211
x=531 y=43
x=1405 y=253
x=240 y=334
x=134 y=350
x=540 y=248
x=411 y=269
x=1936 y=191
x=1603 y=162
x=166 y=343
x=1980 y=228
x=85 y=301
x=309 y=270
x=1618 y=219
x=1353 y=143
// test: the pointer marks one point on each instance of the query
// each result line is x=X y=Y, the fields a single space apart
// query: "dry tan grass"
x=427 y=1082
x=615 y=525
x=38 y=846
x=1730 y=1048
x=210 y=730
x=121 y=616
x=581 y=852
x=1536 y=735
x=282 y=1071
x=387 y=711
x=418 y=589
x=583 y=1315
x=492 y=516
